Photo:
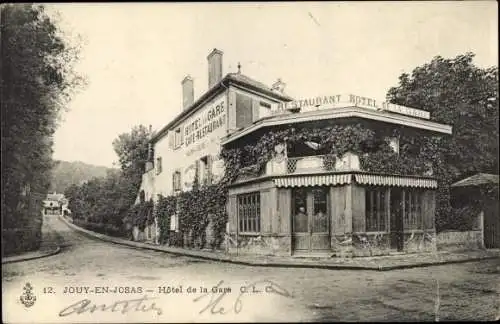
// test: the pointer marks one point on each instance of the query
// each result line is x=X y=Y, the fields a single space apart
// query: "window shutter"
x=197 y=173
x=182 y=135
x=243 y=110
x=209 y=169
x=174 y=182
x=171 y=140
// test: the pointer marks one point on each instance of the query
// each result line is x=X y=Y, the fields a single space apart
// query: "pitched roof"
x=245 y=80
x=235 y=78
x=477 y=180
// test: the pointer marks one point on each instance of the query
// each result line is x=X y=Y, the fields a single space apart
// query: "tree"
x=132 y=151
x=36 y=81
x=458 y=93
x=106 y=201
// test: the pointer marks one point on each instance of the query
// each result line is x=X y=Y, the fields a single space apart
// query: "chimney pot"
x=214 y=67
x=187 y=92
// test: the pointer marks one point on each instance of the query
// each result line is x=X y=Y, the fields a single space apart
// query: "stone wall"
x=342 y=245
x=376 y=244
x=459 y=240
x=371 y=244
x=419 y=241
x=278 y=245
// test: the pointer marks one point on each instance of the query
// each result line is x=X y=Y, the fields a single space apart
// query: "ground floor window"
x=249 y=212
x=376 y=209
x=412 y=208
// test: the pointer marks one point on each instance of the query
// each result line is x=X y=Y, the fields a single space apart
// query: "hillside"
x=65 y=174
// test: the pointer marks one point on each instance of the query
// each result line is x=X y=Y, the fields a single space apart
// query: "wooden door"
x=311 y=219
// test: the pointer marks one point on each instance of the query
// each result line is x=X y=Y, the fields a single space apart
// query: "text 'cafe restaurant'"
x=303 y=202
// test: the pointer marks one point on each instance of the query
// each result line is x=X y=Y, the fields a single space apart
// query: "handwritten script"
x=216 y=300
x=142 y=304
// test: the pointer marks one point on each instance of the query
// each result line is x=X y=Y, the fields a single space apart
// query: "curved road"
x=119 y=277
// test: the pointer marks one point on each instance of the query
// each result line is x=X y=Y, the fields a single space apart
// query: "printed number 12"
x=48 y=290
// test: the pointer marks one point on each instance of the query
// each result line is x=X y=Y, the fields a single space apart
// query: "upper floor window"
x=178 y=138
x=176 y=181
x=158 y=165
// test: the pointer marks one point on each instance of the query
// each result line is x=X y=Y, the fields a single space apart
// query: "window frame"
x=178 y=137
x=413 y=216
x=158 y=165
x=176 y=181
x=376 y=209
x=248 y=207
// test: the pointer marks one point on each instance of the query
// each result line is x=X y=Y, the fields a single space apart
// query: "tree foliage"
x=132 y=151
x=107 y=202
x=37 y=79
x=458 y=93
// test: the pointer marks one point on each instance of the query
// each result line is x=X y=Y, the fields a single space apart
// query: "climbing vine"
x=142 y=214
x=164 y=209
x=204 y=205
x=376 y=155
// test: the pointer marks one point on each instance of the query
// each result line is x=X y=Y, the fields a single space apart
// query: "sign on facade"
x=337 y=101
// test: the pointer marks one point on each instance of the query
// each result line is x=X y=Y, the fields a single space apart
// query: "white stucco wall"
x=195 y=146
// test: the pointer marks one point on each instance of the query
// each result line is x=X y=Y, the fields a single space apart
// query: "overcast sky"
x=135 y=55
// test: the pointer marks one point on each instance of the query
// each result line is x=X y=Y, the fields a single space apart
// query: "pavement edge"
x=204 y=256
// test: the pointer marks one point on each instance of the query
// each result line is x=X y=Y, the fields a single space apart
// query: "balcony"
x=306 y=164
x=312 y=164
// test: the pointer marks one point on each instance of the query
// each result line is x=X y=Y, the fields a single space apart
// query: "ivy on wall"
x=164 y=209
x=141 y=214
x=417 y=154
x=207 y=204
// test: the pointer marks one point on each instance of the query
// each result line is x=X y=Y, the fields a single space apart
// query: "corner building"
x=299 y=203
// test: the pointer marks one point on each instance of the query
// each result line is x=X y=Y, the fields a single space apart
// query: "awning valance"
x=387 y=180
x=314 y=180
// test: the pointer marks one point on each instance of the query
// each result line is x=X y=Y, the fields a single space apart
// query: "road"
x=468 y=291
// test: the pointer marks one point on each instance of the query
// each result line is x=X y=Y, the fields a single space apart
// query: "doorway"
x=311 y=219
x=396 y=234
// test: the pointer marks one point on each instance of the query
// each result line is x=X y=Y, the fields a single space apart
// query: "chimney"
x=187 y=92
x=214 y=67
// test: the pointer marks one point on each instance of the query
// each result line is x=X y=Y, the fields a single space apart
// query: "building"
x=477 y=195
x=302 y=200
x=190 y=143
x=299 y=204
x=55 y=204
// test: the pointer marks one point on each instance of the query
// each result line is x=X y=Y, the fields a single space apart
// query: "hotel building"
x=298 y=204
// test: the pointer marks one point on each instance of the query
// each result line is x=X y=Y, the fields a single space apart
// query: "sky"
x=134 y=56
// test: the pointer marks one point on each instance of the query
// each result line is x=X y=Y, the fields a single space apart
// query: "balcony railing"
x=308 y=164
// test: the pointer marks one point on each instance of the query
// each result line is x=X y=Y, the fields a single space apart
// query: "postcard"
x=250 y=162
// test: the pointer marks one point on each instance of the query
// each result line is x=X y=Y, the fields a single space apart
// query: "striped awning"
x=313 y=180
x=387 y=180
